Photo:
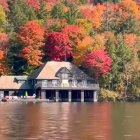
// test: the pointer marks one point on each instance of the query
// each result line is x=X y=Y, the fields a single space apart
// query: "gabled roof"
x=62 y=70
x=49 y=70
x=10 y=82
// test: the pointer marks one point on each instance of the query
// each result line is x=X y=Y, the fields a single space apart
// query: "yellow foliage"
x=2 y=17
x=86 y=24
x=99 y=42
x=130 y=6
x=87 y=45
x=107 y=95
x=84 y=46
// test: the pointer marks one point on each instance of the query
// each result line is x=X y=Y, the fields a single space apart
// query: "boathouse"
x=54 y=81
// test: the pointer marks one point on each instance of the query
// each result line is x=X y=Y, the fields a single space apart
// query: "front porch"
x=70 y=95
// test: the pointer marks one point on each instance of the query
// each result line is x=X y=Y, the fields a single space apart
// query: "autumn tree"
x=98 y=62
x=2 y=18
x=75 y=33
x=95 y=14
x=4 y=4
x=131 y=77
x=4 y=46
x=83 y=47
x=34 y=3
x=87 y=45
x=32 y=37
x=58 y=46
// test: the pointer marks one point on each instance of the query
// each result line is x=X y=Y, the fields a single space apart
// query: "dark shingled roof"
x=49 y=70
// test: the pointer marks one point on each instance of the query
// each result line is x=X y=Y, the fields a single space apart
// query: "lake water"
x=69 y=121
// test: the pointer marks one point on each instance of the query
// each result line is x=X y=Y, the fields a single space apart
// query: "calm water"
x=70 y=121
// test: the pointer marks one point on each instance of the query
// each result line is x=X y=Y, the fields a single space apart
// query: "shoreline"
x=46 y=100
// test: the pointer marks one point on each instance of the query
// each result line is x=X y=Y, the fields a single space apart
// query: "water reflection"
x=70 y=121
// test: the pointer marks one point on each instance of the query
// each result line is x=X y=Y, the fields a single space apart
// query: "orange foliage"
x=95 y=14
x=1 y=55
x=130 y=7
x=83 y=47
x=75 y=33
x=32 y=36
x=107 y=35
x=87 y=45
x=4 y=44
x=98 y=13
x=130 y=39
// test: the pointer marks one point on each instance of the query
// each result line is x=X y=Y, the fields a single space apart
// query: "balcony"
x=80 y=85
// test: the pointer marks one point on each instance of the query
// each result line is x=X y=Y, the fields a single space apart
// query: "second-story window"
x=54 y=83
x=65 y=75
x=44 y=82
x=84 y=82
x=74 y=83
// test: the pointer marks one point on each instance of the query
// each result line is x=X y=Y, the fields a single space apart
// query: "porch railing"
x=68 y=85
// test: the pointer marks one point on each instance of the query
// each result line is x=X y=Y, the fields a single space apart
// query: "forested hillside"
x=102 y=38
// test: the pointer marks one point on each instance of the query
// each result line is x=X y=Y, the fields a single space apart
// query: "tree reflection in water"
x=69 y=121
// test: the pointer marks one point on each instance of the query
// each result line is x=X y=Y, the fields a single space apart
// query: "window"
x=44 y=82
x=65 y=75
x=54 y=83
x=74 y=83
x=84 y=82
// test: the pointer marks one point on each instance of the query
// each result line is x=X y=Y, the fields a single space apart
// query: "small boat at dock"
x=4 y=100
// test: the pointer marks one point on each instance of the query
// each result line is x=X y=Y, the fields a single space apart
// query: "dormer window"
x=65 y=75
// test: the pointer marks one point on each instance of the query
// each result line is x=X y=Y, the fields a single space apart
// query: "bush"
x=107 y=95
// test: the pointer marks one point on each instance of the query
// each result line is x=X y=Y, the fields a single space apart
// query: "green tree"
x=57 y=11
x=121 y=54
x=20 y=13
x=73 y=13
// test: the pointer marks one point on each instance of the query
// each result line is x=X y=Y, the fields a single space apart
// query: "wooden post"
x=95 y=96
x=69 y=96
x=43 y=94
x=1 y=94
x=82 y=96
x=57 y=96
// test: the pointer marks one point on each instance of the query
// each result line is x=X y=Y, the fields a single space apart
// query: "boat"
x=4 y=100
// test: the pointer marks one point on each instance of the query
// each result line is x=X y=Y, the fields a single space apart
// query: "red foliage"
x=4 y=4
x=98 y=62
x=32 y=36
x=88 y=13
x=58 y=46
x=34 y=3
x=74 y=32
x=4 y=44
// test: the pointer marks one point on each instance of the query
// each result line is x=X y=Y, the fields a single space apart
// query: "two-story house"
x=56 y=81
